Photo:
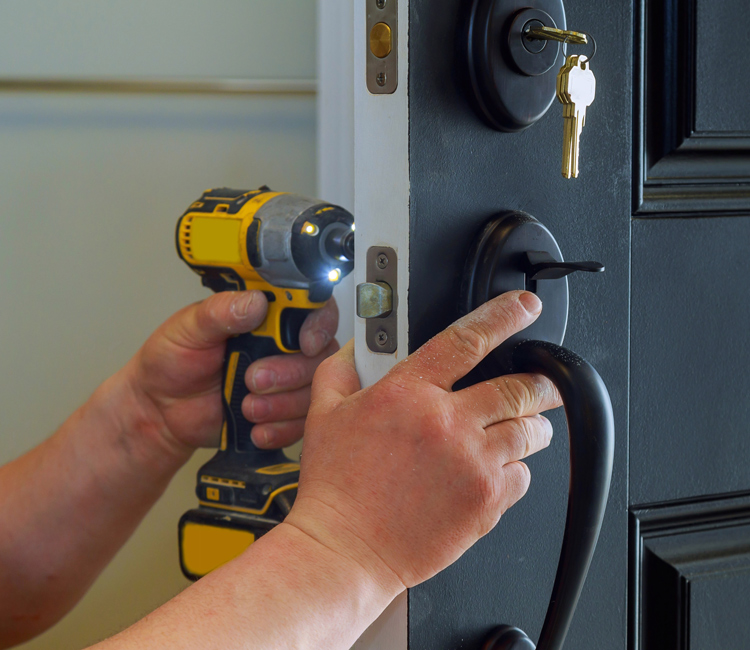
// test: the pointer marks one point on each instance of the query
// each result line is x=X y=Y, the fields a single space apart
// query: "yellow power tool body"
x=295 y=250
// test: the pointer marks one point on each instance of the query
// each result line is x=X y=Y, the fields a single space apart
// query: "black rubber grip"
x=245 y=348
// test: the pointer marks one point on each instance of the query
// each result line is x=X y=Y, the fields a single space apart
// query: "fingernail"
x=264 y=379
x=259 y=408
x=530 y=302
x=242 y=305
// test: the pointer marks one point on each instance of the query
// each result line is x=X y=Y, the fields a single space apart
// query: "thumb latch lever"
x=542 y=266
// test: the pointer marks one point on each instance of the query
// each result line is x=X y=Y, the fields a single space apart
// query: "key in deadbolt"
x=513 y=51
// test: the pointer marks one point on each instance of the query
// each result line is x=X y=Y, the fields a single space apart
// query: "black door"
x=662 y=200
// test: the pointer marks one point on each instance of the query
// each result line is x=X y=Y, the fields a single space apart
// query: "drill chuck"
x=340 y=245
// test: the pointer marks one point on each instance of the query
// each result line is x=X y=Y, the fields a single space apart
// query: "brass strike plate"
x=381 y=333
x=382 y=46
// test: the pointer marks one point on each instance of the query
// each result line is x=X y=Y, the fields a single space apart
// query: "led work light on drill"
x=295 y=250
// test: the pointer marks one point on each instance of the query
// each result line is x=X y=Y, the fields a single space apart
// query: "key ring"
x=563 y=36
x=593 y=42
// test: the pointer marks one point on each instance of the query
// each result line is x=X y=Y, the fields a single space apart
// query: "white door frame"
x=363 y=162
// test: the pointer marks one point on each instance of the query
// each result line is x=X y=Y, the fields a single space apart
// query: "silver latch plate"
x=374 y=296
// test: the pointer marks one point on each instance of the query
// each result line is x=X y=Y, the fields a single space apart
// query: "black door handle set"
x=515 y=251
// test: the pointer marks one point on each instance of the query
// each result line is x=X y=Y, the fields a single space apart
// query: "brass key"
x=576 y=89
x=544 y=33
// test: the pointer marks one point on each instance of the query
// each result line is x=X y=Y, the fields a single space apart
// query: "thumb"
x=218 y=317
x=335 y=380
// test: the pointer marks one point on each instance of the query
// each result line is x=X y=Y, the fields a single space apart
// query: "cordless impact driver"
x=294 y=250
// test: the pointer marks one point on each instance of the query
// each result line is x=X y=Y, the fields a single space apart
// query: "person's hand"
x=404 y=476
x=176 y=376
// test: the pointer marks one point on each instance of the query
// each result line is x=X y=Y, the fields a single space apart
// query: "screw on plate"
x=380 y=4
x=381 y=78
x=382 y=261
x=381 y=338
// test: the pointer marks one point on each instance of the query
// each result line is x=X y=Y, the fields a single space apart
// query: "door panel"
x=692 y=575
x=693 y=156
x=719 y=65
x=689 y=408
x=461 y=174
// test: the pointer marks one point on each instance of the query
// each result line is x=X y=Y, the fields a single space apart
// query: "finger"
x=285 y=372
x=319 y=329
x=218 y=317
x=274 y=408
x=517 y=480
x=278 y=434
x=335 y=380
x=450 y=355
x=519 y=438
x=510 y=396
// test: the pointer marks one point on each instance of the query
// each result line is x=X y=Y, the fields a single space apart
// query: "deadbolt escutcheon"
x=510 y=81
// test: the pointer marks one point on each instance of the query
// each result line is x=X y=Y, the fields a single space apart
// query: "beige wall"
x=91 y=187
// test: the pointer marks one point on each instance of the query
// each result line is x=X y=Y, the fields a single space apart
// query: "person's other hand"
x=404 y=476
x=176 y=376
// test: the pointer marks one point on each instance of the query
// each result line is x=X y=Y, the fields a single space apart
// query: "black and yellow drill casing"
x=295 y=250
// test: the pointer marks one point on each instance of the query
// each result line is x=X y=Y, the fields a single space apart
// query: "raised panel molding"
x=690 y=575
x=689 y=156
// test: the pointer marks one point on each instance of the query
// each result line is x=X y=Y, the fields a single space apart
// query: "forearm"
x=69 y=504
x=286 y=591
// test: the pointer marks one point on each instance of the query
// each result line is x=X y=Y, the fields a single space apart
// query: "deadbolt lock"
x=511 y=78
x=382 y=46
